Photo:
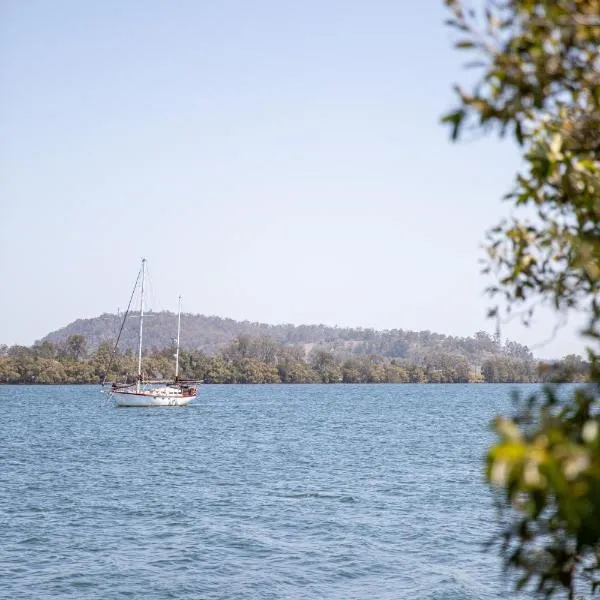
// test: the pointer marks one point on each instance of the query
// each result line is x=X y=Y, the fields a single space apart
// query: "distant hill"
x=211 y=334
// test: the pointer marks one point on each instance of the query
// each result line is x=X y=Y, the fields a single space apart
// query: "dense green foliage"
x=540 y=81
x=264 y=360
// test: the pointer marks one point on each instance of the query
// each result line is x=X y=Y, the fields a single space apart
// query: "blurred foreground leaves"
x=539 y=82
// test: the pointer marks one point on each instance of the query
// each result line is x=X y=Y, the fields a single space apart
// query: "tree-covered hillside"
x=212 y=334
x=248 y=359
x=219 y=350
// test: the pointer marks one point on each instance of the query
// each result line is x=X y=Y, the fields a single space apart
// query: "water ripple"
x=253 y=492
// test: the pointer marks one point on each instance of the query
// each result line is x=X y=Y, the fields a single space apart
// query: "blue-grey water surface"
x=307 y=491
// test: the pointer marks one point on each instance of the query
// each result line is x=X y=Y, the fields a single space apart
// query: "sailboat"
x=149 y=393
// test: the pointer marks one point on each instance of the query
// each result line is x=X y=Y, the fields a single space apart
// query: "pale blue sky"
x=275 y=161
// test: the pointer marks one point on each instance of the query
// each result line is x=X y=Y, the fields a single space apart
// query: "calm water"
x=251 y=492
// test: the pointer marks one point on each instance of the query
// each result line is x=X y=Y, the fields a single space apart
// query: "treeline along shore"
x=248 y=359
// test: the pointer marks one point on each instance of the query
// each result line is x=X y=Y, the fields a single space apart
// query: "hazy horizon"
x=274 y=162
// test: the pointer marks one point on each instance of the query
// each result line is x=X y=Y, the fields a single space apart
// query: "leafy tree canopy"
x=539 y=82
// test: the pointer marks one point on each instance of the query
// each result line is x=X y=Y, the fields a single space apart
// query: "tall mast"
x=178 y=332
x=139 y=377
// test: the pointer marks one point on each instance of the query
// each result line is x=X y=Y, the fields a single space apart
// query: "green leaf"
x=455 y=119
x=518 y=132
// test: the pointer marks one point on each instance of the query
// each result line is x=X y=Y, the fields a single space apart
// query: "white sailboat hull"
x=149 y=399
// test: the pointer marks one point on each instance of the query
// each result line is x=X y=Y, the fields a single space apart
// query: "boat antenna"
x=139 y=375
x=112 y=356
x=178 y=333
